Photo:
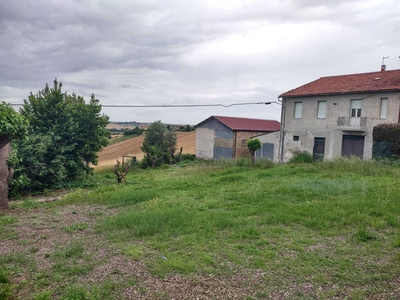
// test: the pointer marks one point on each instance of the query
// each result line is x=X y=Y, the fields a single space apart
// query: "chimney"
x=383 y=68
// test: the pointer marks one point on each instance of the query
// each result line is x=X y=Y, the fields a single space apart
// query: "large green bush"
x=159 y=145
x=65 y=135
x=388 y=133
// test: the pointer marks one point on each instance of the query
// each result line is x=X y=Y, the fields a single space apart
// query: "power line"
x=176 y=105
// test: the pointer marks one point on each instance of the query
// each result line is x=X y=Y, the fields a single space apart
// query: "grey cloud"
x=148 y=52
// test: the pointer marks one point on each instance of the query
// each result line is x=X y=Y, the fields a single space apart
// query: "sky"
x=159 y=52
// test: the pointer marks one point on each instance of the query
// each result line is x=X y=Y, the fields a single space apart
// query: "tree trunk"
x=179 y=156
x=253 y=157
x=4 y=176
x=4 y=140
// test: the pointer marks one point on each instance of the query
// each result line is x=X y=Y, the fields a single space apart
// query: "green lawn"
x=311 y=231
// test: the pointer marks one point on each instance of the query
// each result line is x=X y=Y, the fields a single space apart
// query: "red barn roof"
x=246 y=124
x=383 y=81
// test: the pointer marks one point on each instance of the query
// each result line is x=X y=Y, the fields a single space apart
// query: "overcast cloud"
x=190 y=52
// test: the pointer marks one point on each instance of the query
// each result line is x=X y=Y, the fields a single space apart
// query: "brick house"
x=226 y=137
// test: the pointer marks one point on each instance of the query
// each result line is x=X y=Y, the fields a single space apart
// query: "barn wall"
x=270 y=142
x=213 y=134
x=204 y=143
x=240 y=146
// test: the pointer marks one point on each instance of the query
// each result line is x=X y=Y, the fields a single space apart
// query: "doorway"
x=353 y=145
x=319 y=148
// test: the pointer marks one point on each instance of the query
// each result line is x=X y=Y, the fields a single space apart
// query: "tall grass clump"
x=360 y=166
x=112 y=195
x=185 y=157
x=245 y=162
x=302 y=158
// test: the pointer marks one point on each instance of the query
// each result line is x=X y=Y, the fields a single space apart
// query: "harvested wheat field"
x=110 y=154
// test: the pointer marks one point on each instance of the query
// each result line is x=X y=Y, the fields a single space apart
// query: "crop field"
x=131 y=147
x=211 y=230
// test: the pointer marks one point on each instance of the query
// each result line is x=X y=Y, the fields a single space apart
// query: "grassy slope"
x=323 y=231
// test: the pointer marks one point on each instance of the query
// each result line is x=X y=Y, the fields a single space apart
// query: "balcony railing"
x=352 y=123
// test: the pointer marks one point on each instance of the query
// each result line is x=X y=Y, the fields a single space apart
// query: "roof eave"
x=256 y=130
x=339 y=93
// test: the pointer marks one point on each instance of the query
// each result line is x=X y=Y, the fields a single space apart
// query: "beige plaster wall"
x=309 y=126
x=205 y=143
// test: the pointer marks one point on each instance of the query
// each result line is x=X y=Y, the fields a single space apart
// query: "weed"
x=29 y=204
x=364 y=235
x=5 y=286
x=6 y=220
x=95 y=213
x=135 y=251
x=79 y=226
x=33 y=249
x=46 y=295
x=74 y=249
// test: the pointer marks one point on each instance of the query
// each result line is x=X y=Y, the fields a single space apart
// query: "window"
x=355 y=108
x=298 y=110
x=244 y=143
x=296 y=138
x=321 y=110
x=384 y=103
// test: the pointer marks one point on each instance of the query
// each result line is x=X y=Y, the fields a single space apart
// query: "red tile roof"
x=383 y=81
x=246 y=124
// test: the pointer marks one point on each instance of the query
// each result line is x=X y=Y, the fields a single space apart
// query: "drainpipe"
x=282 y=130
x=234 y=144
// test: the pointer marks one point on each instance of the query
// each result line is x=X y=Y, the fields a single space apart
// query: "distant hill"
x=110 y=154
x=118 y=126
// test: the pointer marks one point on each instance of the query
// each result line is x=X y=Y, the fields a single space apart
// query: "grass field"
x=211 y=230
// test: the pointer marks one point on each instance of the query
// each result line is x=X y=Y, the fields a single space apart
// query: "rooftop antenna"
x=383 y=59
x=383 y=67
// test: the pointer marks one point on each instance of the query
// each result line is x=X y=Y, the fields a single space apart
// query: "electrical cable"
x=174 y=105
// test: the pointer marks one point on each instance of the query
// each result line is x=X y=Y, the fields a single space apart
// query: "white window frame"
x=321 y=109
x=355 y=108
x=298 y=110
x=384 y=108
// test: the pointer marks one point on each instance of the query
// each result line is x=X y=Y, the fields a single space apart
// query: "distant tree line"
x=139 y=131
x=134 y=131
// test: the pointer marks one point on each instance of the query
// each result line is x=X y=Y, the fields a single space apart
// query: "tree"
x=12 y=125
x=253 y=145
x=171 y=140
x=90 y=132
x=65 y=134
x=159 y=144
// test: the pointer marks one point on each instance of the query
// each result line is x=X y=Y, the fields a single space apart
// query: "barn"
x=220 y=137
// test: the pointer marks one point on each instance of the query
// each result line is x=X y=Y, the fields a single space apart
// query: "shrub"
x=185 y=157
x=388 y=133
